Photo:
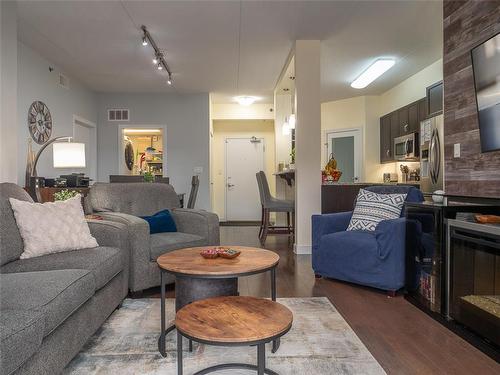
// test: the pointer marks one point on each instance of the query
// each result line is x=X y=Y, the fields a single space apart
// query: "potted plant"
x=65 y=194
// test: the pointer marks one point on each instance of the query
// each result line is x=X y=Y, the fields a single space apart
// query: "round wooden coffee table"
x=197 y=278
x=233 y=321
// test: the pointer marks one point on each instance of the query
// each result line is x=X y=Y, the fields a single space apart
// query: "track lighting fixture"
x=158 y=59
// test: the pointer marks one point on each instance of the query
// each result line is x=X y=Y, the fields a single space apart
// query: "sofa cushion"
x=11 y=243
x=21 y=333
x=164 y=242
x=103 y=262
x=56 y=294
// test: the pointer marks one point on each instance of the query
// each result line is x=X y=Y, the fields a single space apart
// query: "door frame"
x=121 y=150
x=81 y=121
x=357 y=133
x=225 y=166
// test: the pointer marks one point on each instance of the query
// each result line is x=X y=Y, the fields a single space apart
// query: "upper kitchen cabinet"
x=404 y=126
x=435 y=99
x=423 y=112
x=386 y=139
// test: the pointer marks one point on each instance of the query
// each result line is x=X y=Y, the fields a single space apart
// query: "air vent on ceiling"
x=118 y=115
x=63 y=81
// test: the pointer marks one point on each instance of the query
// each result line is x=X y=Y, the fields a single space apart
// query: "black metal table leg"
x=261 y=359
x=179 y=353
x=161 y=343
x=276 y=343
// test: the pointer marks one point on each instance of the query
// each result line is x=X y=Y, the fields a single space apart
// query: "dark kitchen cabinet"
x=403 y=121
x=413 y=118
x=422 y=110
x=435 y=99
x=395 y=126
x=385 y=139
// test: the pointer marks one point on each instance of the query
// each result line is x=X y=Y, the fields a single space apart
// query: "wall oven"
x=406 y=147
x=474 y=278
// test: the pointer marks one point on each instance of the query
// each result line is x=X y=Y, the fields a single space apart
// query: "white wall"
x=36 y=82
x=239 y=129
x=8 y=92
x=411 y=89
x=235 y=111
x=188 y=124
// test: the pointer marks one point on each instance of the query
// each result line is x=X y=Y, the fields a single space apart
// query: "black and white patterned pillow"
x=371 y=208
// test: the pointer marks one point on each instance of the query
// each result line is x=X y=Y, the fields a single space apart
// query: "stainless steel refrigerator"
x=432 y=154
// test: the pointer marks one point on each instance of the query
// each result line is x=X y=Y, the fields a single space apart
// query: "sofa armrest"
x=199 y=222
x=328 y=223
x=391 y=236
x=109 y=233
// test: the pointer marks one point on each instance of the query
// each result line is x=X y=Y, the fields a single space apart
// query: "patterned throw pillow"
x=52 y=227
x=371 y=208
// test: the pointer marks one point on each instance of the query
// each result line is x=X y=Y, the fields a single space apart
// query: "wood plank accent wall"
x=466 y=25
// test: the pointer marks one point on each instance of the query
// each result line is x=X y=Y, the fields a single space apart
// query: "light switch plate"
x=198 y=170
x=456 y=150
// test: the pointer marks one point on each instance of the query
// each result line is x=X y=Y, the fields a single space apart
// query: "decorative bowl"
x=209 y=253
x=335 y=175
x=229 y=253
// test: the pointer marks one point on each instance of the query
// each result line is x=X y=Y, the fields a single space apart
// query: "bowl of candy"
x=229 y=253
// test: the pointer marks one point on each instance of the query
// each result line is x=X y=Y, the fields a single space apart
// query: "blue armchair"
x=375 y=259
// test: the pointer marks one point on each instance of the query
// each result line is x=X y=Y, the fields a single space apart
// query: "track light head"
x=159 y=66
x=169 y=80
x=155 y=60
x=144 y=41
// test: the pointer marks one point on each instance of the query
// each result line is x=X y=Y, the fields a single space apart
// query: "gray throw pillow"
x=371 y=208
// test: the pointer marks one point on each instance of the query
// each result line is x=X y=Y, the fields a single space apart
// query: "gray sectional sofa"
x=124 y=202
x=51 y=305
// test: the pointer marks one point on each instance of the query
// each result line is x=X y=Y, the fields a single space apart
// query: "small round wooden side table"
x=233 y=321
x=198 y=278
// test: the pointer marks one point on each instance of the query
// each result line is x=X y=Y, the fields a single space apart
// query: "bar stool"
x=271 y=204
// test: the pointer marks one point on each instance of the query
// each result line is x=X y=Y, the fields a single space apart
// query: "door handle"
x=230 y=185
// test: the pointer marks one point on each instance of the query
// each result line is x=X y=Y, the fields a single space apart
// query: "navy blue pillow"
x=161 y=222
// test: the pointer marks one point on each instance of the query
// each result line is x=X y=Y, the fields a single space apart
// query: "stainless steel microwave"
x=406 y=147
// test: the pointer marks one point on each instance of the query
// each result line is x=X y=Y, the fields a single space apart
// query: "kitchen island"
x=340 y=196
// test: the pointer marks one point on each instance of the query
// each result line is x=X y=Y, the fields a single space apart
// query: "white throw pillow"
x=52 y=227
x=371 y=208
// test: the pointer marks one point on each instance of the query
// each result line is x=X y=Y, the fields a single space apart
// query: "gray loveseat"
x=124 y=202
x=51 y=305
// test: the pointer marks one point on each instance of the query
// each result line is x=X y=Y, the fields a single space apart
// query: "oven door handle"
x=483 y=240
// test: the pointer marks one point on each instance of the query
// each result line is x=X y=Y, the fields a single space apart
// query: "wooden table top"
x=189 y=262
x=234 y=319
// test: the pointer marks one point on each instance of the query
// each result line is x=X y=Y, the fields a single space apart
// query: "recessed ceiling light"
x=245 y=100
x=374 y=71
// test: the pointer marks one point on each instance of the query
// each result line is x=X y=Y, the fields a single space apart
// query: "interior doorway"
x=142 y=150
x=346 y=147
x=84 y=131
x=244 y=157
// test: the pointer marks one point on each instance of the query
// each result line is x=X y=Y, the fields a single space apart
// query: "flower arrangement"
x=65 y=194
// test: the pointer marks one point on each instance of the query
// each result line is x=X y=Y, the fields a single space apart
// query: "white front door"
x=244 y=158
x=347 y=150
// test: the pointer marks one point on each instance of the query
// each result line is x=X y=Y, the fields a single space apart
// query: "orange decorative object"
x=487 y=219
x=331 y=173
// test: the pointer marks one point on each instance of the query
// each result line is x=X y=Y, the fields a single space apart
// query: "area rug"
x=320 y=342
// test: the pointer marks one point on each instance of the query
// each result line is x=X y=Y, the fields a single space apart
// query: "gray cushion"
x=11 y=243
x=57 y=294
x=21 y=333
x=103 y=262
x=164 y=242
x=138 y=199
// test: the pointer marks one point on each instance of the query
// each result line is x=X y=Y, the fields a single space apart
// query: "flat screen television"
x=486 y=67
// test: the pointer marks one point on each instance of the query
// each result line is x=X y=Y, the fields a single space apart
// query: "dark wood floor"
x=402 y=338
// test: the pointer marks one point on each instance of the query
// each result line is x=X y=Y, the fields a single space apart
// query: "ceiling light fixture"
x=158 y=59
x=246 y=100
x=374 y=71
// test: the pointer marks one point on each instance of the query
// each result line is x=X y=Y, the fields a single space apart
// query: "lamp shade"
x=69 y=155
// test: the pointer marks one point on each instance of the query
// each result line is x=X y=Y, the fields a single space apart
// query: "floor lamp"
x=65 y=155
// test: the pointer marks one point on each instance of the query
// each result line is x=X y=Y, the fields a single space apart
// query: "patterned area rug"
x=320 y=342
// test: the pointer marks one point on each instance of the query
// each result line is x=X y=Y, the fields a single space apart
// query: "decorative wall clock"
x=39 y=122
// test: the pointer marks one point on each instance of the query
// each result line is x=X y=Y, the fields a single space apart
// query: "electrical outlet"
x=198 y=170
x=456 y=150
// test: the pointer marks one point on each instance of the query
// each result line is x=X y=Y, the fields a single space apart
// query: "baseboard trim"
x=302 y=249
